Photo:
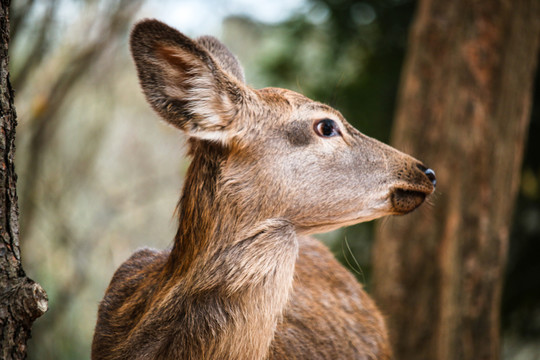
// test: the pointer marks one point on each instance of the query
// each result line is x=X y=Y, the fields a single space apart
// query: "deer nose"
x=429 y=173
x=431 y=176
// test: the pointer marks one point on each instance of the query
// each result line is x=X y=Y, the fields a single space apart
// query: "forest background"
x=100 y=175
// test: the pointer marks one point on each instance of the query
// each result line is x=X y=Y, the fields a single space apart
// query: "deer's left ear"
x=185 y=84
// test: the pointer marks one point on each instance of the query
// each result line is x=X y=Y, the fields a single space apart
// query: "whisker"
x=357 y=269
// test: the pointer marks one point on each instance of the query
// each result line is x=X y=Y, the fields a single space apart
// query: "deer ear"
x=223 y=56
x=184 y=83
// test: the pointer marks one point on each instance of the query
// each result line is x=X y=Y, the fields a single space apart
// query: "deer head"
x=282 y=155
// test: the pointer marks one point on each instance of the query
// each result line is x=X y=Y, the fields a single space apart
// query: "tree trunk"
x=21 y=300
x=464 y=109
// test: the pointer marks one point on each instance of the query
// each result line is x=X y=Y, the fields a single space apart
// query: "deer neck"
x=199 y=212
x=245 y=263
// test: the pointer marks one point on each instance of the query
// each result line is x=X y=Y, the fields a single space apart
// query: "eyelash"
x=326 y=128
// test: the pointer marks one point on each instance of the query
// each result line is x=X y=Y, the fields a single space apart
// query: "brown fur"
x=243 y=281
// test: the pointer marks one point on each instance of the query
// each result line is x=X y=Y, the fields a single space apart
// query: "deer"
x=269 y=167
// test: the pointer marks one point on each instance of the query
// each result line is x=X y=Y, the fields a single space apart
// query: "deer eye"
x=326 y=128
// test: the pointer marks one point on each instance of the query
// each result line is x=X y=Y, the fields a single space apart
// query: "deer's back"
x=126 y=300
x=329 y=316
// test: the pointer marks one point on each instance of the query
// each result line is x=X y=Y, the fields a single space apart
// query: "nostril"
x=429 y=173
x=431 y=176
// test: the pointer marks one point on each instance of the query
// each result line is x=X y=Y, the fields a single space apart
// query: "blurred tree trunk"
x=464 y=109
x=21 y=300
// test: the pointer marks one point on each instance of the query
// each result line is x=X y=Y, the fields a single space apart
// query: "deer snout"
x=415 y=184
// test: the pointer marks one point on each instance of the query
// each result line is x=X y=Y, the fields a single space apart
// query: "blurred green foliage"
x=521 y=295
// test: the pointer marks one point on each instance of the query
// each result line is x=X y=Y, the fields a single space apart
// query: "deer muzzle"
x=420 y=182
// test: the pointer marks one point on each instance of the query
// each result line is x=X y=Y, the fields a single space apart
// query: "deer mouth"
x=404 y=201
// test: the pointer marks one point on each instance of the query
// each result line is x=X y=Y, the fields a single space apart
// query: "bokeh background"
x=100 y=175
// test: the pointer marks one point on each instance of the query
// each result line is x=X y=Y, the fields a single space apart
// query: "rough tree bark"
x=464 y=108
x=21 y=300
